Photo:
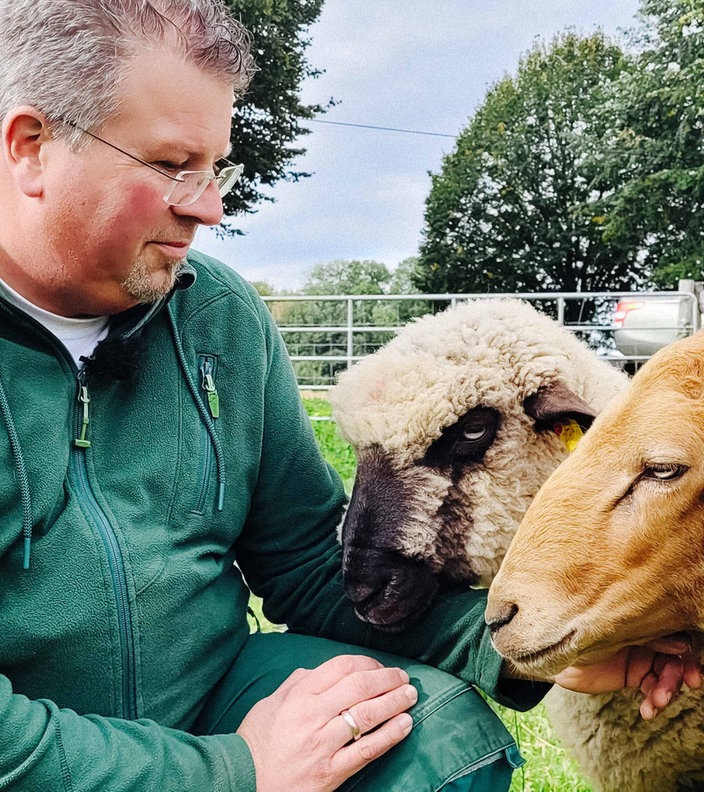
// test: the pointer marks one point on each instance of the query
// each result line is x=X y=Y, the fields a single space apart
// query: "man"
x=153 y=451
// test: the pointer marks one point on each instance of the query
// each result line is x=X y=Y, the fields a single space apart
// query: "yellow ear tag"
x=570 y=432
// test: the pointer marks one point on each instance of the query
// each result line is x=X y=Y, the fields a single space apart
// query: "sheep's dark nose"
x=388 y=590
x=500 y=616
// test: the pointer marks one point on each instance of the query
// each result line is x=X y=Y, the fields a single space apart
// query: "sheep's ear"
x=554 y=404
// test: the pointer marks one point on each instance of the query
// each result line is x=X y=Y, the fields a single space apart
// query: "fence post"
x=350 y=334
x=561 y=310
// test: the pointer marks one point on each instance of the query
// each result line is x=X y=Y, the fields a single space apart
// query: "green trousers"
x=457 y=743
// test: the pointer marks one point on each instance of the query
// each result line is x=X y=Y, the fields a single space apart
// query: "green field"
x=548 y=768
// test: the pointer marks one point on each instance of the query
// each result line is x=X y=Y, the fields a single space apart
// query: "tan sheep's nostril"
x=506 y=612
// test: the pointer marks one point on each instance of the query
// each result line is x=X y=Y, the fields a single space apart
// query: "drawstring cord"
x=22 y=477
x=202 y=409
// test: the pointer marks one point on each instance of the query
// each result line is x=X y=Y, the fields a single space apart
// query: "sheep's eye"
x=466 y=441
x=474 y=434
x=664 y=472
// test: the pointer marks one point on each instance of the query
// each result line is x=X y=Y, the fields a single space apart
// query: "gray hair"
x=67 y=57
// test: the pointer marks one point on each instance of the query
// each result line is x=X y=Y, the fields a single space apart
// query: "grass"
x=548 y=768
x=335 y=450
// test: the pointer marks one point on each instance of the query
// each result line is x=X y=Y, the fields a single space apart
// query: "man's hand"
x=300 y=740
x=659 y=669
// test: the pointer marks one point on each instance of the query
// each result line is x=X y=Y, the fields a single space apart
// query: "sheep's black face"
x=388 y=589
x=410 y=528
x=392 y=562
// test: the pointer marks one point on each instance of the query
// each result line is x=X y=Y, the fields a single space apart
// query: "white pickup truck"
x=645 y=322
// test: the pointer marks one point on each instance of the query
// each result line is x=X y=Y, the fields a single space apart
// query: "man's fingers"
x=693 y=673
x=661 y=684
x=323 y=677
x=648 y=683
x=362 y=686
x=674 y=644
x=354 y=756
x=647 y=710
x=368 y=715
x=293 y=678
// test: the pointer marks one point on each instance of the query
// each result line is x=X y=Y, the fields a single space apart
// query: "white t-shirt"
x=79 y=336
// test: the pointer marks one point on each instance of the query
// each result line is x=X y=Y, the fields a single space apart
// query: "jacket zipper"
x=112 y=550
x=206 y=364
x=101 y=522
x=206 y=368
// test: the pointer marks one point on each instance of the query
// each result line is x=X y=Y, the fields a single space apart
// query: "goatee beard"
x=146 y=286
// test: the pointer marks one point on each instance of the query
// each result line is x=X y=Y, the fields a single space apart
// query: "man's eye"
x=171 y=166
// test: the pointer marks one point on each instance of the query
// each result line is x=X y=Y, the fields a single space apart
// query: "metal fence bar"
x=352 y=345
x=350 y=331
x=561 y=310
x=452 y=298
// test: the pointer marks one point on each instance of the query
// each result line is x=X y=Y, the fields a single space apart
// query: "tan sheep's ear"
x=555 y=404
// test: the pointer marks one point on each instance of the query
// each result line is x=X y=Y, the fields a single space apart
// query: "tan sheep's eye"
x=664 y=472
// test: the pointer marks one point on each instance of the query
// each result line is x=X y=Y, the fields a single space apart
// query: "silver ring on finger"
x=352 y=723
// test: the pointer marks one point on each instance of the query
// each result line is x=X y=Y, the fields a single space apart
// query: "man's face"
x=111 y=239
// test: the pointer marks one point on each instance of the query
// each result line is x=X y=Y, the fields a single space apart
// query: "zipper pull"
x=84 y=398
x=208 y=384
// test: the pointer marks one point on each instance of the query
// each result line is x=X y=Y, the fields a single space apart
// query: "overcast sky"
x=420 y=65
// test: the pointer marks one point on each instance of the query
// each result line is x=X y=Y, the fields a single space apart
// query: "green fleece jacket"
x=130 y=501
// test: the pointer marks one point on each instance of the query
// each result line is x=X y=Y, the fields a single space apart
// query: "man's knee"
x=457 y=743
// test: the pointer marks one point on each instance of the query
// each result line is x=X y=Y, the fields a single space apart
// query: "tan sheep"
x=455 y=426
x=611 y=552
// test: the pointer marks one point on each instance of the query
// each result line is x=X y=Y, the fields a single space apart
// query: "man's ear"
x=24 y=132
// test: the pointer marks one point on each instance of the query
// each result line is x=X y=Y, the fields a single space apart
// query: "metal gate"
x=326 y=334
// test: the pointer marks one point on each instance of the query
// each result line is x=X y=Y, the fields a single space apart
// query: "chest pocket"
x=206 y=494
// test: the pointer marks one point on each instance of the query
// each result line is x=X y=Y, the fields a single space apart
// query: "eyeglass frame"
x=226 y=177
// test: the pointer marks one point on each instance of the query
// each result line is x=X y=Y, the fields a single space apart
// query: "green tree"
x=514 y=207
x=401 y=281
x=348 y=277
x=263 y=288
x=269 y=118
x=654 y=147
x=342 y=277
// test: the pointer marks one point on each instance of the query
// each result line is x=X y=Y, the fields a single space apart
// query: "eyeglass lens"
x=192 y=184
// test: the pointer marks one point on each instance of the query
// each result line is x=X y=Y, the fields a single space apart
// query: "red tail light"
x=623 y=307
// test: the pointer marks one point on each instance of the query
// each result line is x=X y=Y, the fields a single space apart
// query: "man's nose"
x=207 y=209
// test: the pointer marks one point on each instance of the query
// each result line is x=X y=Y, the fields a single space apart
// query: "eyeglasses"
x=187 y=186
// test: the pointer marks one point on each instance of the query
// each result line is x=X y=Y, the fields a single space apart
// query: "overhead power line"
x=382 y=128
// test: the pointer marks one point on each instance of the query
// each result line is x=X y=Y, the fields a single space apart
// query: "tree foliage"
x=268 y=120
x=348 y=277
x=514 y=207
x=654 y=148
x=342 y=277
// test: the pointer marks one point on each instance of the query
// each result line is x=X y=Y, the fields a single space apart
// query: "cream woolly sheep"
x=455 y=424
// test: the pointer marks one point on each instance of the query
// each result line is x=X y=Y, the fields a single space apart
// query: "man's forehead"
x=168 y=100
